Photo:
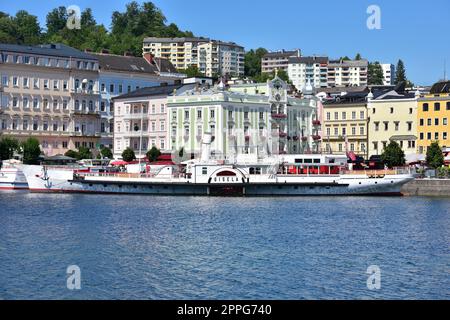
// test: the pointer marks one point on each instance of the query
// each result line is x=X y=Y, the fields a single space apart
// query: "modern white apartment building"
x=346 y=73
x=217 y=58
x=50 y=92
x=119 y=75
x=388 y=73
x=210 y=56
x=278 y=60
x=312 y=70
x=181 y=52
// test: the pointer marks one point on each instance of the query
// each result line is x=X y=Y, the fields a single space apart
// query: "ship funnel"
x=206 y=146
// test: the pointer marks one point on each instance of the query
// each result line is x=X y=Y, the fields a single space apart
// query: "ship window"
x=298 y=160
x=252 y=170
x=204 y=170
x=308 y=161
x=316 y=160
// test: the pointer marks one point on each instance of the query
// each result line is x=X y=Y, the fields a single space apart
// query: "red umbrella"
x=119 y=163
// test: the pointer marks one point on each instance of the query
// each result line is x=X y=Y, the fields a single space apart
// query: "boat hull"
x=59 y=180
x=12 y=178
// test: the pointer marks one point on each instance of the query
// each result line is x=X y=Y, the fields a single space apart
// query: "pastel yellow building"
x=433 y=115
x=392 y=117
x=345 y=124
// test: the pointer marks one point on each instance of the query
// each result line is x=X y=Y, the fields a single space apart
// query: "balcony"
x=135 y=116
x=279 y=116
x=135 y=134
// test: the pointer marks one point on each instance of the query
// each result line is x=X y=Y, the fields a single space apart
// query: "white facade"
x=210 y=56
x=388 y=74
x=308 y=70
x=347 y=73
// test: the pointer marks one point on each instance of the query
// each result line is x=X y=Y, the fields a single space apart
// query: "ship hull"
x=12 y=178
x=58 y=180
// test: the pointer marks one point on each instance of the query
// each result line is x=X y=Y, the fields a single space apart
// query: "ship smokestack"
x=206 y=146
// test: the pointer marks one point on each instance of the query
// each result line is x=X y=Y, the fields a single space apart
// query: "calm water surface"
x=133 y=247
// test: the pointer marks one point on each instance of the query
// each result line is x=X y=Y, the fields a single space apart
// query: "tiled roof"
x=440 y=87
x=110 y=62
x=150 y=91
x=56 y=50
x=308 y=60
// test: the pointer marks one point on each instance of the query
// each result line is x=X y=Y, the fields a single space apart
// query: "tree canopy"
x=128 y=155
x=153 y=154
x=252 y=64
x=31 y=151
x=435 y=157
x=375 y=74
x=393 y=155
x=7 y=148
x=128 y=29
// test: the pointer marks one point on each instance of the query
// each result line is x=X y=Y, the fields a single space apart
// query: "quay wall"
x=427 y=187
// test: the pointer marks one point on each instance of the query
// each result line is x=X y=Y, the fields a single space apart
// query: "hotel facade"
x=50 y=92
x=242 y=123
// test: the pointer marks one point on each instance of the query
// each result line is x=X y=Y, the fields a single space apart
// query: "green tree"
x=128 y=155
x=393 y=155
x=72 y=154
x=31 y=151
x=375 y=74
x=358 y=56
x=252 y=62
x=106 y=153
x=400 y=73
x=153 y=154
x=191 y=71
x=435 y=157
x=84 y=153
x=23 y=28
x=7 y=148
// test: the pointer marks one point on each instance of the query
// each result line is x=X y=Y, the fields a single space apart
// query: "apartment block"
x=50 y=92
x=308 y=70
x=346 y=73
x=388 y=74
x=278 y=60
x=210 y=56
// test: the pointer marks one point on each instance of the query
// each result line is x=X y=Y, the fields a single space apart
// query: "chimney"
x=149 y=57
x=105 y=51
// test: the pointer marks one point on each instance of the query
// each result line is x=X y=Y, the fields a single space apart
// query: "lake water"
x=143 y=247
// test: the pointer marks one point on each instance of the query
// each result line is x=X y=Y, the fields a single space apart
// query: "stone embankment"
x=427 y=187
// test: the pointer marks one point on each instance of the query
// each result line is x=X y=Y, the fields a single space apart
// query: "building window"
x=448 y=105
x=25 y=103
x=429 y=122
x=436 y=121
x=344 y=131
x=25 y=124
x=55 y=85
x=428 y=135
x=377 y=126
x=437 y=106
x=199 y=114
x=409 y=124
x=55 y=104
x=436 y=136
x=425 y=107
x=444 y=136
x=361 y=115
x=35 y=103
x=386 y=126
x=328 y=116
x=162 y=125
x=336 y=116
x=421 y=122
x=391 y=110
x=410 y=110
x=444 y=121
x=111 y=88
x=361 y=131
x=354 y=131
x=212 y=114
x=336 y=131
x=397 y=125
x=25 y=82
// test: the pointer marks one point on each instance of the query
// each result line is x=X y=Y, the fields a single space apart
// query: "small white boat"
x=11 y=177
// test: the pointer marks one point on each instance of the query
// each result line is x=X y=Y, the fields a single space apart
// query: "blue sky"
x=415 y=31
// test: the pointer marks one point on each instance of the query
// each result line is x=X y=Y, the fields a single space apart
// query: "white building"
x=304 y=70
x=217 y=58
x=210 y=56
x=346 y=73
x=242 y=123
x=277 y=60
x=388 y=74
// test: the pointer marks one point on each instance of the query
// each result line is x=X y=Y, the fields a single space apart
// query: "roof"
x=440 y=87
x=351 y=97
x=150 y=91
x=281 y=54
x=169 y=40
x=308 y=60
x=349 y=63
x=111 y=62
x=56 y=50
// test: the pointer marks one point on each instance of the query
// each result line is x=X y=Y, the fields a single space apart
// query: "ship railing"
x=378 y=173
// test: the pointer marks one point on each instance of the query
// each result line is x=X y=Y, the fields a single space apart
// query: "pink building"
x=141 y=120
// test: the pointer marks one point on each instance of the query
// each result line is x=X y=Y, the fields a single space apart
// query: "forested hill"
x=126 y=32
